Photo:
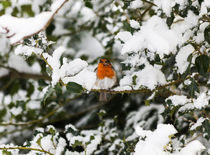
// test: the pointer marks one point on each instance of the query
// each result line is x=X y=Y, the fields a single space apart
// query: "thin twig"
x=25 y=148
x=23 y=75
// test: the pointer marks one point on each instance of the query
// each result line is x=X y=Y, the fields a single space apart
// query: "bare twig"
x=25 y=148
x=24 y=75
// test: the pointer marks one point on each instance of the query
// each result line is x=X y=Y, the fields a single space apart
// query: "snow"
x=181 y=58
x=134 y=24
x=183 y=28
x=134 y=118
x=20 y=65
x=178 y=100
x=68 y=69
x=86 y=78
x=202 y=101
x=46 y=141
x=198 y=123
x=149 y=77
x=14 y=26
x=155 y=36
x=192 y=148
x=165 y=5
x=117 y=143
x=16 y=111
x=124 y=36
x=136 y=4
x=126 y=81
x=26 y=50
x=204 y=6
x=155 y=141
x=199 y=103
x=85 y=137
x=56 y=4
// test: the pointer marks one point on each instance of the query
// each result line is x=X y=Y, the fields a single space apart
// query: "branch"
x=25 y=148
x=17 y=33
x=23 y=75
x=205 y=18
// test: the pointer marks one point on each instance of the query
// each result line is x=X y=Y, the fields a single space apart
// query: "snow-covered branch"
x=18 y=29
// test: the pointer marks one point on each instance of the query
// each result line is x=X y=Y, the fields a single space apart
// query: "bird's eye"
x=107 y=61
x=101 y=61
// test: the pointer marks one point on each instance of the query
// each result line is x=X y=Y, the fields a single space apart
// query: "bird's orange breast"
x=105 y=71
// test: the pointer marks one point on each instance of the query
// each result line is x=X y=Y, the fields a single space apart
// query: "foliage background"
x=174 y=89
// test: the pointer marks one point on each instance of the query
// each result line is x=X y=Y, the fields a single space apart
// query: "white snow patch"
x=134 y=24
x=124 y=36
x=181 y=58
x=155 y=36
x=198 y=123
x=155 y=141
x=20 y=64
x=178 y=99
x=192 y=148
x=136 y=4
x=149 y=77
x=67 y=69
x=20 y=28
x=202 y=101
x=85 y=78
x=16 y=110
x=165 y=5
x=26 y=50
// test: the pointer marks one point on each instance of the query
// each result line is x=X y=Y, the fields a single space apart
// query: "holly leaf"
x=202 y=64
x=73 y=87
x=207 y=34
x=47 y=94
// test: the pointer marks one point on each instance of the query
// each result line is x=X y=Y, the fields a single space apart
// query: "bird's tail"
x=103 y=97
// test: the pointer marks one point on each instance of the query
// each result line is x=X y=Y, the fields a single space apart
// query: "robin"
x=106 y=77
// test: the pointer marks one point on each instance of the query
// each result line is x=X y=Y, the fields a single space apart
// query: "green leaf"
x=134 y=79
x=39 y=141
x=15 y=87
x=5 y=4
x=206 y=125
x=5 y=152
x=27 y=9
x=73 y=87
x=2 y=113
x=48 y=93
x=170 y=19
x=88 y=4
x=52 y=131
x=30 y=90
x=207 y=34
x=147 y=102
x=58 y=89
x=192 y=88
x=202 y=64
